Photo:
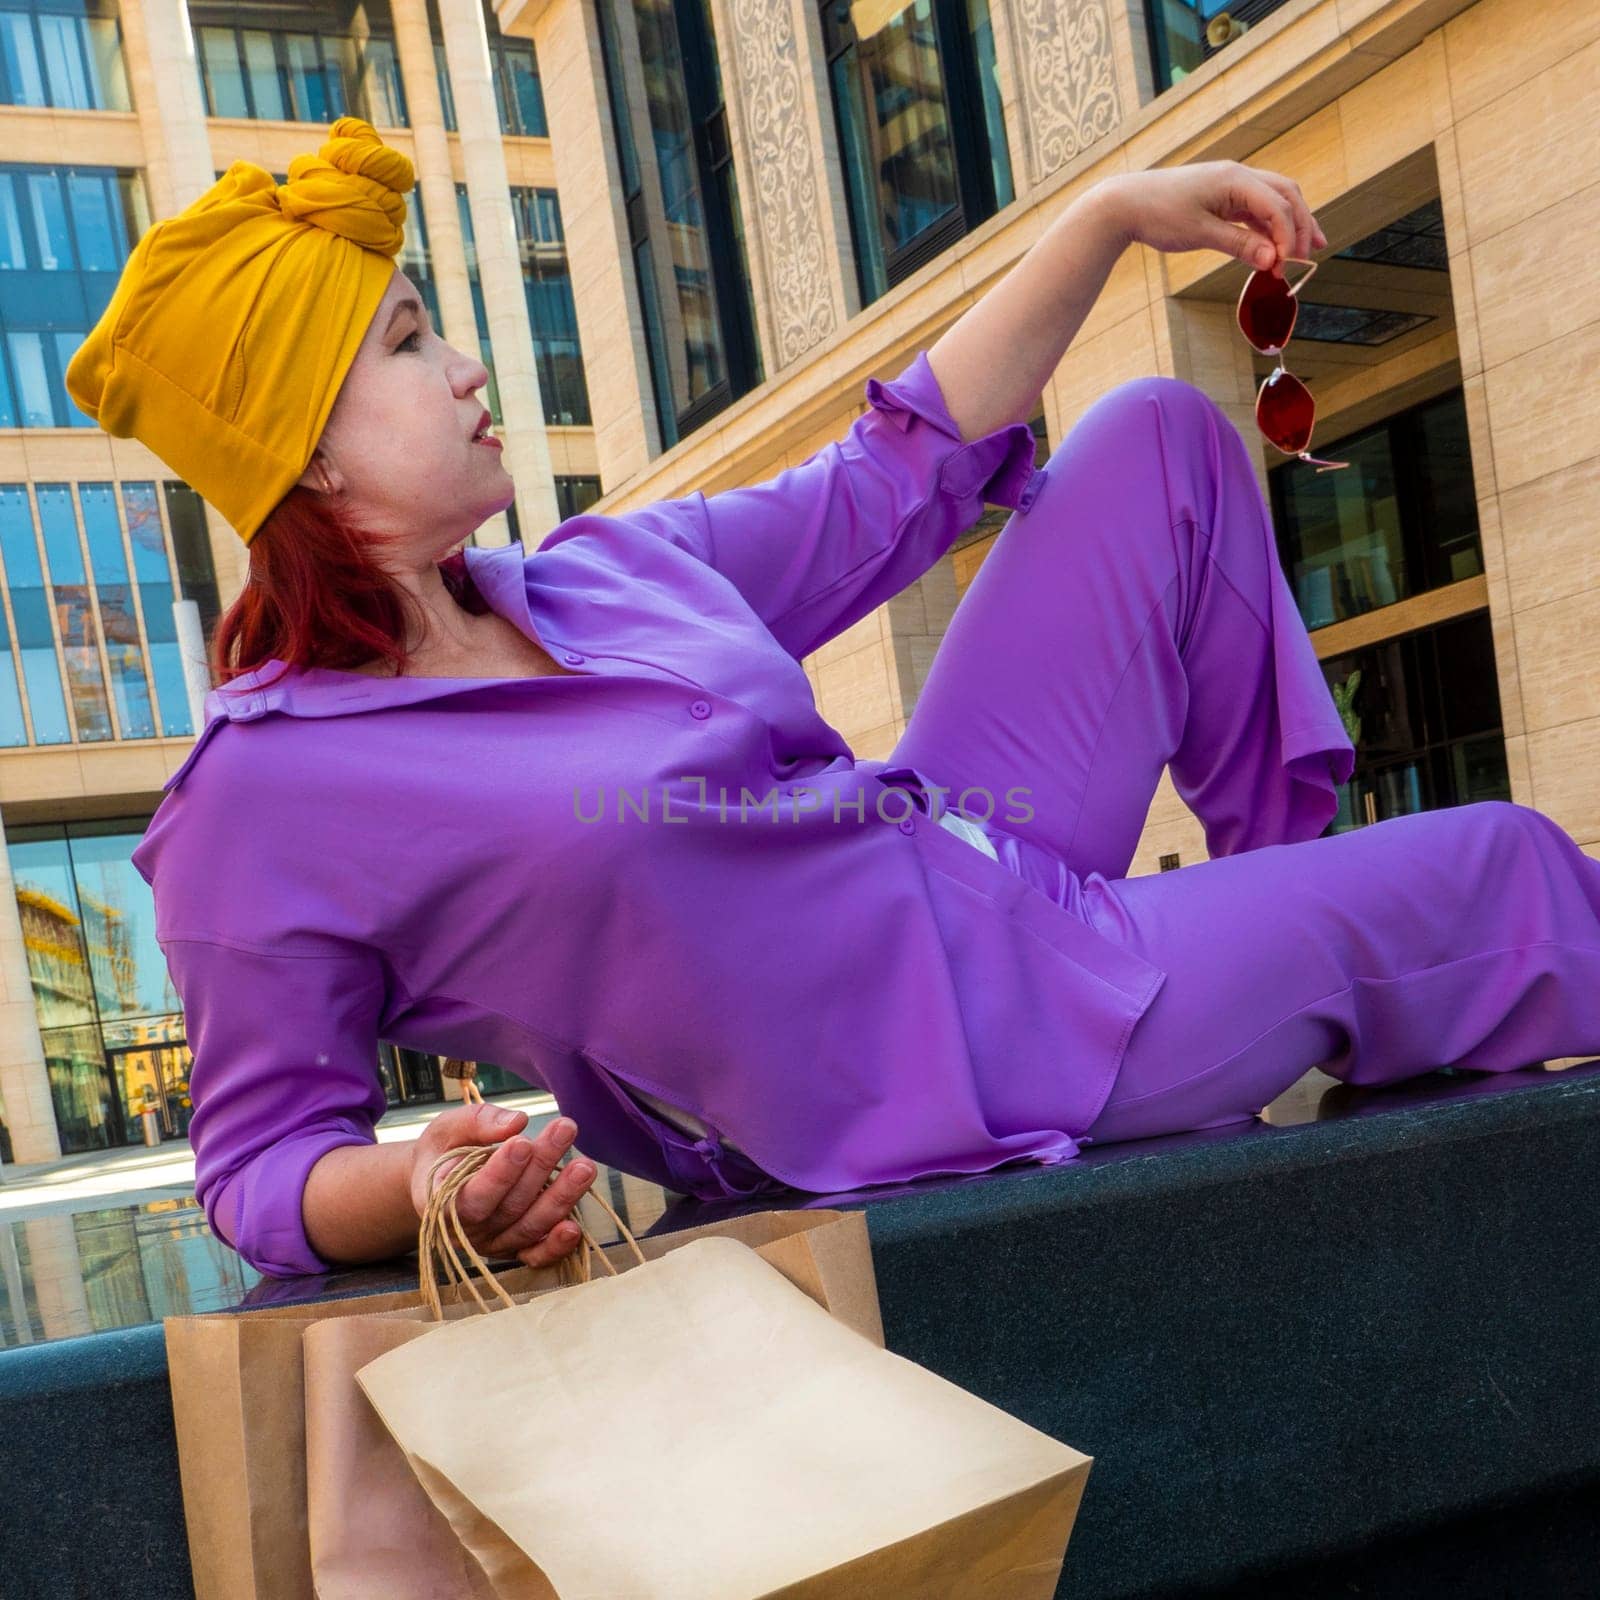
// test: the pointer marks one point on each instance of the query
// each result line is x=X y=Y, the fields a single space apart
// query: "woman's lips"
x=490 y=440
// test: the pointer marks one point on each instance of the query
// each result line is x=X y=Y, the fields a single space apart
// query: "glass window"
x=118 y=614
x=191 y=544
x=554 y=317
x=385 y=94
x=1423 y=711
x=222 y=75
x=516 y=85
x=106 y=1008
x=447 y=100
x=153 y=574
x=107 y=75
x=24 y=580
x=1400 y=520
x=1185 y=33
x=917 y=105
x=265 y=75
x=19 y=57
x=575 y=494
x=683 y=215
x=66 y=56
x=80 y=632
x=64 y=235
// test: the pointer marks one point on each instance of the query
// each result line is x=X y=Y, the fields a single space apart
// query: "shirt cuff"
x=257 y=1210
x=996 y=467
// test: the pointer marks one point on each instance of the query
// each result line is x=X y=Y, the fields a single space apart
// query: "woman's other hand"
x=505 y=1207
x=1258 y=216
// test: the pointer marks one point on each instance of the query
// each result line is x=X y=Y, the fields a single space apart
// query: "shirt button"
x=572 y=656
x=906 y=825
x=699 y=708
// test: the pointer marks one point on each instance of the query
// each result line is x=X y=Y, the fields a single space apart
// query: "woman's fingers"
x=1308 y=236
x=1252 y=200
x=481 y=1196
x=543 y=1155
x=549 y=1209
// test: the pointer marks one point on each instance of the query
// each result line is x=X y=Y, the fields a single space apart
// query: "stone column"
x=527 y=450
x=164 y=76
x=770 y=59
x=164 y=79
x=24 y=1084
x=435 y=174
x=605 y=290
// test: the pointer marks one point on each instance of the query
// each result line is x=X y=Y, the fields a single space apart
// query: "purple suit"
x=668 y=874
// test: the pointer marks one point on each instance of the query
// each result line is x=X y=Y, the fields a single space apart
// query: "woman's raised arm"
x=994 y=362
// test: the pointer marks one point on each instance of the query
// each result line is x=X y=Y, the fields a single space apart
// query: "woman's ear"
x=317 y=476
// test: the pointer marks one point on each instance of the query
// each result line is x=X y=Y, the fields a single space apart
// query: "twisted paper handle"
x=436 y=1247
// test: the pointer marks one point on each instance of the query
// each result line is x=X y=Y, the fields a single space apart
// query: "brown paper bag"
x=238 y=1394
x=372 y=1527
x=696 y=1428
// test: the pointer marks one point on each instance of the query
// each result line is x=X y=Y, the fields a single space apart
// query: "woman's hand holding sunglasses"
x=1260 y=218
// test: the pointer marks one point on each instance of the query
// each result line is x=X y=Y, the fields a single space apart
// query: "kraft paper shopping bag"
x=694 y=1427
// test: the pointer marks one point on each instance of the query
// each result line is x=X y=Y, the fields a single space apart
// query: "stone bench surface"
x=1367 y=1326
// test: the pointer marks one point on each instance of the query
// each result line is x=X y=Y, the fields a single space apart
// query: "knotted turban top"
x=233 y=325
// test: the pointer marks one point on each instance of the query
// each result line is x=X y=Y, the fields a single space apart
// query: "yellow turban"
x=234 y=323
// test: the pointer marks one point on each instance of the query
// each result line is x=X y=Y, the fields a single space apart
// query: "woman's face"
x=398 y=446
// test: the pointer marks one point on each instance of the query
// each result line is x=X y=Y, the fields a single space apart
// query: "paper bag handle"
x=436 y=1247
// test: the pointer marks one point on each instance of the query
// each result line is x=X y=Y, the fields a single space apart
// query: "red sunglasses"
x=1285 y=411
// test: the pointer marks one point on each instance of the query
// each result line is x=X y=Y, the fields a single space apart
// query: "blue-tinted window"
x=30 y=606
x=80 y=632
x=119 y=618
x=153 y=575
x=548 y=281
x=64 y=235
x=339 y=59
x=63 y=53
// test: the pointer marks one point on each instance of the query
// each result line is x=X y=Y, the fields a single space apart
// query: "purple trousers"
x=1136 y=617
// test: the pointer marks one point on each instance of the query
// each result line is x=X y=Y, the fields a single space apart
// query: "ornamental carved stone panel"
x=1066 y=71
x=788 y=203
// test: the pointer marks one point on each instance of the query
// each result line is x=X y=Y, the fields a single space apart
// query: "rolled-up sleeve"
x=285 y=1069
x=826 y=542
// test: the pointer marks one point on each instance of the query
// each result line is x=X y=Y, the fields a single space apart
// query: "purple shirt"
x=557 y=874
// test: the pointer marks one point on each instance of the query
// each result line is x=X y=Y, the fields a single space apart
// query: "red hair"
x=315 y=597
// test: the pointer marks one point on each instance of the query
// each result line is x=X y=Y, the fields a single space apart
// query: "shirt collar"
x=497 y=570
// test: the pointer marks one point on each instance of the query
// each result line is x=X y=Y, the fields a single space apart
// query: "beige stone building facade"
x=766 y=202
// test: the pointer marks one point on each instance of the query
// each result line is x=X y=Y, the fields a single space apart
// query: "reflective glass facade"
x=1423 y=708
x=685 y=222
x=110 y=1021
x=64 y=235
x=513 y=69
x=1186 y=33
x=547 y=281
x=300 y=62
x=93 y=566
x=1400 y=520
x=917 y=104
x=63 y=53
x=1423 y=711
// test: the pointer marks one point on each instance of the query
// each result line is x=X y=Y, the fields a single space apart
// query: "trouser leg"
x=1468 y=936
x=1135 y=616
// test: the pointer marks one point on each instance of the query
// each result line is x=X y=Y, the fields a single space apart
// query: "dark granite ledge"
x=1348 y=1342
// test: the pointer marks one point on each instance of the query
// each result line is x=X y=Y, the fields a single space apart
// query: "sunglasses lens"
x=1285 y=413
x=1267 y=311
